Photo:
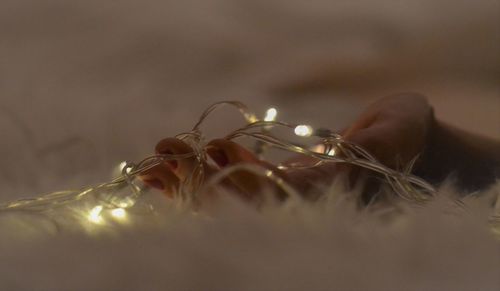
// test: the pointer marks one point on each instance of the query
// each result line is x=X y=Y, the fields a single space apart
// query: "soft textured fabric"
x=86 y=84
x=327 y=245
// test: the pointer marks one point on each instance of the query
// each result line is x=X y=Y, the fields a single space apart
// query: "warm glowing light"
x=252 y=119
x=118 y=213
x=121 y=166
x=271 y=114
x=126 y=202
x=95 y=214
x=303 y=130
x=331 y=152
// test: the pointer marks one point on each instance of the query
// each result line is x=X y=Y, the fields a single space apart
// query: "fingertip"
x=173 y=146
x=160 y=178
x=225 y=152
x=218 y=156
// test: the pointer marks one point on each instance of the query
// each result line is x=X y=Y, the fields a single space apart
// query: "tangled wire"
x=336 y=149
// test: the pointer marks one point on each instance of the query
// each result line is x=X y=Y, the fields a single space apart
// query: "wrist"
x=470 y=161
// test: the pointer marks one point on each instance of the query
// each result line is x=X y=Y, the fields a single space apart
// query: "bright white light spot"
x=252 y=119
x=303 y=130
x=331 y=152
x=95 y=214
x=118 y=213
x=126 y=202
x=271 y=114
x=122 y=165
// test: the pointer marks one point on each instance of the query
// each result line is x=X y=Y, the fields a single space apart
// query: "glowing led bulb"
x=122 y=165
x=126 y=202
x=271 y=114
x=303 y=130
x=118 y=213
x=95 y=214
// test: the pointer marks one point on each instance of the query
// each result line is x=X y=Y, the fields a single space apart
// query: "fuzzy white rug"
x=86 y=84
x=328 y=245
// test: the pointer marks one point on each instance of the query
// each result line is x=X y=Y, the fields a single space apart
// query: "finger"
x=161 y=177
x=378 y=141
x=227 y=153
x=188 y=170
x=366 y=120
x=182 y=168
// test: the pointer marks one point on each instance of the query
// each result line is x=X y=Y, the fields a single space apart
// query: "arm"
x=473 y=160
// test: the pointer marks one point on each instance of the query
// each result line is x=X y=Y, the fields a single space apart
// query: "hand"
x=394 y=129
x=224 y=153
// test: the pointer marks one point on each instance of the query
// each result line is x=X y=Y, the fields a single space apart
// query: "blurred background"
x=86 y=84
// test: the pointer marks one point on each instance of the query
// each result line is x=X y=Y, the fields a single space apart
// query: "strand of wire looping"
x=336 y=149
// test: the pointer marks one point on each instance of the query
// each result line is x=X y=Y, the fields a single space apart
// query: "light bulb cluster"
x=95 y=215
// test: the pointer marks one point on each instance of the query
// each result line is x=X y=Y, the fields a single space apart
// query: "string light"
x=119 y=213
x=126 y=202
x=122 y=165
x=271 y=114
x=111 y=195
x=95 y=214
x=118 y=170
x=303 y=130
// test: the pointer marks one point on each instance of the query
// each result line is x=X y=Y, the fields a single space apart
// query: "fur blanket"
x=327 y=245
x=86 y=84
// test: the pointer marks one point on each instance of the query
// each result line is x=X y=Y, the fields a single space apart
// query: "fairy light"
x=406 y=186
x=252 y=119
x=118 y=170
x=123 y=165
x=271 y=114
x=303 y=130
x=95 y=214
x=119 y=213
x=126 y=202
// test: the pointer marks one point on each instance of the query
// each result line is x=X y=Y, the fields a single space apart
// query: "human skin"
x=394 y=129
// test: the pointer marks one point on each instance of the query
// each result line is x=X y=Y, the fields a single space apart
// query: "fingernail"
x=172 y=163
x=219 y=156
x=155 y=183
